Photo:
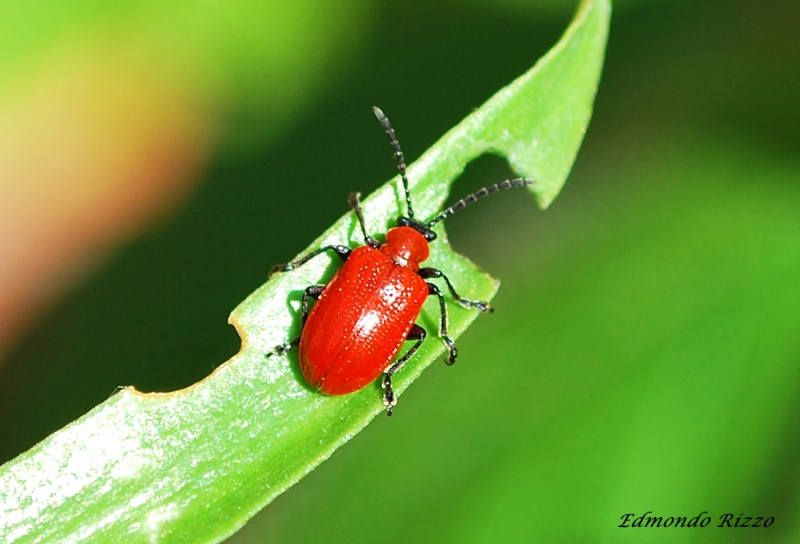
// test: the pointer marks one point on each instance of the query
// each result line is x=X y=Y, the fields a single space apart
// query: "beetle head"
x=421 y=228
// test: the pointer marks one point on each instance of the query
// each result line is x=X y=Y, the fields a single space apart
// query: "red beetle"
x=367 y=311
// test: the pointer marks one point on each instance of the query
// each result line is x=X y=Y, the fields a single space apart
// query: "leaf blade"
x=196 y=464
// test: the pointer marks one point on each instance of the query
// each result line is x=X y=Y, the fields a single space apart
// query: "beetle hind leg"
x=389 y=400
x=282 y=349
x=312 y=291
x=443 y=333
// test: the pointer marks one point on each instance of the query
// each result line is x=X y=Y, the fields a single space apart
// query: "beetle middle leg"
x=428 y=273
x=312 y=291
x=389 y=400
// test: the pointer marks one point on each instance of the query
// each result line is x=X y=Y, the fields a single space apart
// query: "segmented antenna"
x=464 y=202
x=398 y=156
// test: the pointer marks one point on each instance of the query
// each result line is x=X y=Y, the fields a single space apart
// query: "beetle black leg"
x=451 y=358
x=312 y=291
x=283 y=349
x=427 y=273
x=355 y=203
x=342 y=251
x=389 y=400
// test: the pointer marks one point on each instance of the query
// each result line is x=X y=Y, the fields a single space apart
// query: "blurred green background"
x=645 y=351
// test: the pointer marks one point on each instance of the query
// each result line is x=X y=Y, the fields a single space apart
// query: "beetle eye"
x=403 y=221
x=430 y=235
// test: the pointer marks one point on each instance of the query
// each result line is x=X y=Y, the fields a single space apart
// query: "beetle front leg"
x=451 y=358
x=389 y=400
x=342 y=251
x=428 y=273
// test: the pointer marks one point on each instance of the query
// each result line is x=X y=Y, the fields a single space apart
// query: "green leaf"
x=194 y=465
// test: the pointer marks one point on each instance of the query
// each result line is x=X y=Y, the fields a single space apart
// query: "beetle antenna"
x=398 y=156
x=466 y=201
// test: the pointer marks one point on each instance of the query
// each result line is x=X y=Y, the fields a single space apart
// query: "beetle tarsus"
x=479 y=305
x=453 y=355
x=474 y=304
x=280 y=268
x=389 y=400
x=282 y=349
